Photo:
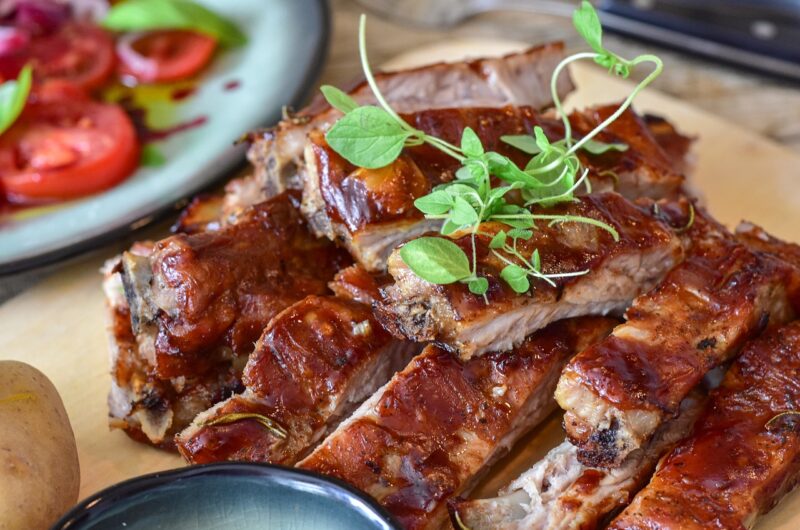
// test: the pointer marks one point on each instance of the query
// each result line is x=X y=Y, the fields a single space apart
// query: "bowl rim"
x=95 y=505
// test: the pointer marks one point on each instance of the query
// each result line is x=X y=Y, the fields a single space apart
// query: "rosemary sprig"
x=374 y=136
x=271 y=425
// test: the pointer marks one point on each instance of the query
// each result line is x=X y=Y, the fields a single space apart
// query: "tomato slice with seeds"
x=63 y=149
x=164 y=55
x=81 y=54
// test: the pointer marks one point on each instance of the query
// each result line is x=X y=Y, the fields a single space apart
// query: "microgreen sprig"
x=373 y=136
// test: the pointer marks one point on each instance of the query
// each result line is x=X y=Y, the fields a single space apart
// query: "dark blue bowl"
x=242 y=496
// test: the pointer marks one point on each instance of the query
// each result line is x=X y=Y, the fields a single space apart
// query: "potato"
x=39 y=473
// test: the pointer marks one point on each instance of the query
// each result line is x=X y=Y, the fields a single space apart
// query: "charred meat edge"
x=619 y=391
x=521 y=78
x=619 y=271
x=560 y=493
x=742 y=456
x=457 y=427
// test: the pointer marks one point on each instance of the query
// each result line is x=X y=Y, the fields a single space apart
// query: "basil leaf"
x=13 y=96
x=505 y=169
x=523 y=142
x=152 y=157
x=536 y=260
x=598 y=148
x=463 y=214
x=541 y=139
x=142 y=15
x=338 y=99
x=449 y=227
x=435 y=203
x=478 y=286
x=516 y=277
x=587 y=24
x=470 y=144
x=368 y=137
x=499 y=240
x=436 y=260
x=520 y=233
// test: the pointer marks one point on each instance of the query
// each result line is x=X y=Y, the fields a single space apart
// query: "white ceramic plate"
x=277 y=67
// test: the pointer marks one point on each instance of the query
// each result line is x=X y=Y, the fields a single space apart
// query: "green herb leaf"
x=436 y=260
x=503 y=168
x=499 y=240
x=435 y=203
x=449 y=227
x=368 y=137
x=520 y=233
x=471 y=145
x=152 y=157
x=536 y=260
x=463 y=213
x=523 y=142
x=142 y=15
x=541 y=139
x=338 y=99
x=478 y=285
x=596 y=147
x=516 y=277
x=587 y=24
x=13 y=95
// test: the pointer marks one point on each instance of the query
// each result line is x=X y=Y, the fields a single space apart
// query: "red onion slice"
x=144 y=68
x=12 y=40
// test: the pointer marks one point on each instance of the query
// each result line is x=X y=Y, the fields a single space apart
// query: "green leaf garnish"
x=478 y=286
x=374 y=136
x=436 y=260
x=338 y=99
x=523 y=142
x=144 y=15
x=152 y=157
x=588 y=26
x=516 y=277
x=13 y=96
x=471 y=145
x=368 y=137
x=598 y=148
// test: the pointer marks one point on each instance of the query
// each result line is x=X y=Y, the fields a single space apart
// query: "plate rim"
x=151 y=215
x=104 y=500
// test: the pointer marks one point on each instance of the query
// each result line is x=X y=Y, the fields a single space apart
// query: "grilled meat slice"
x=202 y=298
x=618 y=272
x=372 y=210
x=617 y=392
x=316 y=361
x=560 y=493
x=439 y=424
x=757 y=239
x=201 y=214
x=149 y=409
x=515 y=79
x=743 y=454
x=354 y=283
x=675 y=145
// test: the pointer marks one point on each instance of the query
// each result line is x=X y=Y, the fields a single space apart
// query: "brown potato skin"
x=39 y=472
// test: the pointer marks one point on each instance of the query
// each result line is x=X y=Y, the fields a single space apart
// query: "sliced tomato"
x=81 y=54
x=62 y=149
x=164 y=55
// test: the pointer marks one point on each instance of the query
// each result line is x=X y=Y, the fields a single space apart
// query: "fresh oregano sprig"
x=373 y=136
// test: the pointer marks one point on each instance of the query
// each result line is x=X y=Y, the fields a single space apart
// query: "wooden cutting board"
x=58 y=326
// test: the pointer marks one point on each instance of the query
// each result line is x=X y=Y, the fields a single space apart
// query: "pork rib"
x=372 y=210
x=316 y=361
x=560 y=493
x=192 y=307
x=618 y=272
x=743 y=454
x=618 y=392
x=516 y=79
x=439 y=424
x=201 y=297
